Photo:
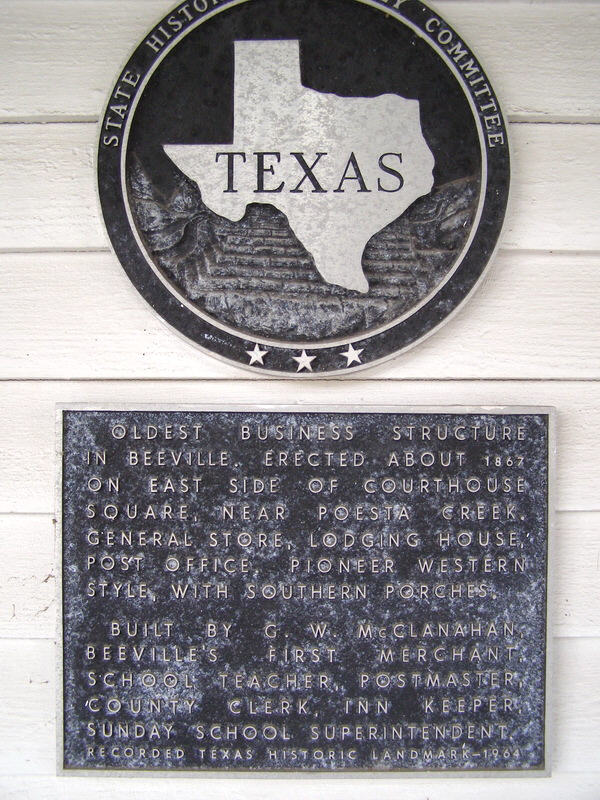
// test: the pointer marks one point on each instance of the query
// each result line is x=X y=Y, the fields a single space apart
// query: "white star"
x=257 y=355
x=304 y=361
x=353 y=355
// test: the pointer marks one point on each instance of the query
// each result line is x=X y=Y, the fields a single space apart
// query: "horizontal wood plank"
x=27 y=474
x=28 y=686
x=63 y=56
x=28 y=576
x=85 y=320
x=50 y=200
x=574 y=786
x=575 y=575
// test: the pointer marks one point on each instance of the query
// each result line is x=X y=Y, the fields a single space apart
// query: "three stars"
x=304 y=361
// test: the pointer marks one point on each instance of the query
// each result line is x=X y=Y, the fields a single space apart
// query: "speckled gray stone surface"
x=377 y=600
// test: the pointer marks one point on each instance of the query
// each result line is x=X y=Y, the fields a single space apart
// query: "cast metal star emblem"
x=304 y=361
x=353 y=355
x=257 y=355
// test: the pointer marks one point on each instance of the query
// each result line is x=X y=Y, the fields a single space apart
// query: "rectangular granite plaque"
x=291 y=589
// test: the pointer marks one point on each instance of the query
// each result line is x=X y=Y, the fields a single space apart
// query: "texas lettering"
x=315 y=156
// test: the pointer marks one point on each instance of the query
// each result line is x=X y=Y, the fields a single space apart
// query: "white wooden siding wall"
x=74 y=330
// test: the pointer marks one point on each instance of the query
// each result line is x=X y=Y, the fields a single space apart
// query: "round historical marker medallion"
x=303 y=187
